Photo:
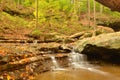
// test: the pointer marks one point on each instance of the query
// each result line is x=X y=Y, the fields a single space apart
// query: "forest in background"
x=61 y=16
x=32 y=31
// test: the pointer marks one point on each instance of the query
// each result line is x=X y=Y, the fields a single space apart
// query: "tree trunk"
x=37 y=3
x=94 y=6
x=101 y=9
x=88 y=7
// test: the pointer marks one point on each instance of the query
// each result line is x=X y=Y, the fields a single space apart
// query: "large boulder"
x=103 y=47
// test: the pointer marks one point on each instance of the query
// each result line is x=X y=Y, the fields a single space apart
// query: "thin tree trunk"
x=37 y=13
x=94 y=6
x=74 y=7
x=101 y=9
x=88 y=7
x=79 y=9
x=18 y=2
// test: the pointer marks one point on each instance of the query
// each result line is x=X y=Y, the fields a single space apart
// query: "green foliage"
x=35 y=33
x=65 y=5
x=53 y=9
x=54 y=15
x=112 y=13
x=13 y=22
x=27 y=3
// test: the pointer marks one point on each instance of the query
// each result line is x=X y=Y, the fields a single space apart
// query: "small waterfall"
x=78 y=60
x=55 y=63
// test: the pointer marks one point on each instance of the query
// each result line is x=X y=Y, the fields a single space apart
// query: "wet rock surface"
x=25 y=61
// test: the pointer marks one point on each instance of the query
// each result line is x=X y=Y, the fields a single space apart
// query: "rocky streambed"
x=24 y=61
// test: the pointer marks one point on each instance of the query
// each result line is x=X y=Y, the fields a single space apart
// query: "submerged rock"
x=104 y=47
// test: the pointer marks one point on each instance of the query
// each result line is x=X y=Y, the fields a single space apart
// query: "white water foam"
x=56 y=65
x=80 y=61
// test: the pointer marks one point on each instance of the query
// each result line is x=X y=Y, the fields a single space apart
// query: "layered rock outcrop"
x=103 y=47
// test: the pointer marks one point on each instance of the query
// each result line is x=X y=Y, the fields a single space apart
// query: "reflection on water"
x=113 y=73
x=80 y=69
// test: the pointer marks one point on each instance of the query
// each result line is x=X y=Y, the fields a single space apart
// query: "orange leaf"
x=31 y=77
x=2 y=52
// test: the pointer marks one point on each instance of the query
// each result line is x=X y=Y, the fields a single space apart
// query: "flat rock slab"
x=111 y=41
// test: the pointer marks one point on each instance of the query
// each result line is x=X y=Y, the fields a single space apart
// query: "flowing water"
x=78 y=60
x=113 y=73
x=55 y=63
x=81 y=69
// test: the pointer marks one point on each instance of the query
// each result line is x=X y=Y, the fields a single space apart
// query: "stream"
x=55 y=67
x=81 y=69
x=110 y=73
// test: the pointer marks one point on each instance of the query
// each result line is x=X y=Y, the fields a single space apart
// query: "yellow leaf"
x=10 y=78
